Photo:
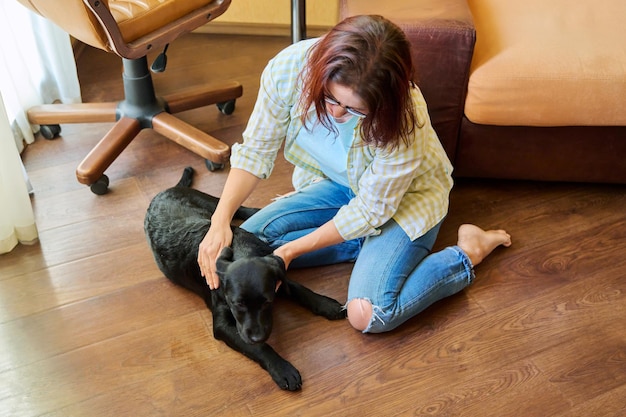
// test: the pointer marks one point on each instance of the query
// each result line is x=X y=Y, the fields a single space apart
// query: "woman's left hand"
x=282 y=253
x=323 y=236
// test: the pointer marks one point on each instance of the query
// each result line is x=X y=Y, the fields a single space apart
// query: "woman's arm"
x=253 y=159
x=324 y=236
x=238 y=187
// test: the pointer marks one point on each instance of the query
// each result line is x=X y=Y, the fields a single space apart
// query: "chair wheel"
x=50 y=131
x=213 y=166
x=101 y=186
x=226 y=107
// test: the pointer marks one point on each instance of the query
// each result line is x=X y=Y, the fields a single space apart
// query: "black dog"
x=175 y=224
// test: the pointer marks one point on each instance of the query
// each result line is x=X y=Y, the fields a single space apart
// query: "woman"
x=372 y=180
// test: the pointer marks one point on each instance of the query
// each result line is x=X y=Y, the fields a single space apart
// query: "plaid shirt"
x=410 y=184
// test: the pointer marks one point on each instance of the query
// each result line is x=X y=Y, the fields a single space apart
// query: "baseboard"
x=258 y=29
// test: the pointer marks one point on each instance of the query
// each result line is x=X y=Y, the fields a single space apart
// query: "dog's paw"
x=331 y=309
x=286 y=376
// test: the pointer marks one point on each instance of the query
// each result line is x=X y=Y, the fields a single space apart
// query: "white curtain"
x=36 y=67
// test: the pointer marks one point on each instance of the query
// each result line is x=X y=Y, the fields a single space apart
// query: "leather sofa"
x=520 y=89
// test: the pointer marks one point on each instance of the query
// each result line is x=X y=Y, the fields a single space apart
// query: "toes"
x=478 y=243
x=505 y=238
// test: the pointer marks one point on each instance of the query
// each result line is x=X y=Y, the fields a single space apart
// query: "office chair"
x=131 y=29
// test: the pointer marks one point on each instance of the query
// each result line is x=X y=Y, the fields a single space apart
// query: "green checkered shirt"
x=410 y=184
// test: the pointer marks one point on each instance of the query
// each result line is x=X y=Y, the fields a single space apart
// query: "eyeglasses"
x=350 y=110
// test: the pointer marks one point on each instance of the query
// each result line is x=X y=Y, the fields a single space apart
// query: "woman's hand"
x=283 y=253
x=238 y=187
x=325 y=235
x=217 y=238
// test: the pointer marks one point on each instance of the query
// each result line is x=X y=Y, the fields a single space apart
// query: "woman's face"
x=342 y=103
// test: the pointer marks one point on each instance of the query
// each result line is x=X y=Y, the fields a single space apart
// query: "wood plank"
x=75 y=325
x=70 y=282
x=584 y=376
x=87 y=371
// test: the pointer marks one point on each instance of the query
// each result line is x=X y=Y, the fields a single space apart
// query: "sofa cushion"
x=548 y=63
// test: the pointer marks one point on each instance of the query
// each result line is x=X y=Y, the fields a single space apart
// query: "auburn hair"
x=372 y=56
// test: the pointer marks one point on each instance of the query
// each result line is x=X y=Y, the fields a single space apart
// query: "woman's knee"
x=360 y=313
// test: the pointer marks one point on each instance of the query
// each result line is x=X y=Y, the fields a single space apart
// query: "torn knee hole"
x=359 y=313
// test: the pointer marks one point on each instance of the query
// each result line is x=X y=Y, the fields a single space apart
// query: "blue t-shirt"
x=327 y=148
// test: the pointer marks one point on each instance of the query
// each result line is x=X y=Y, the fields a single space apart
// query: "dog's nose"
x=257 y=338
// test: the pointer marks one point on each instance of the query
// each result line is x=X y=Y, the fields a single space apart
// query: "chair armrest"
x=140 y=47
x=442 y=36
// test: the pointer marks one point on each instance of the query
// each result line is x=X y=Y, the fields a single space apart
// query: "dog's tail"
x=242 y=213
x=187 y=178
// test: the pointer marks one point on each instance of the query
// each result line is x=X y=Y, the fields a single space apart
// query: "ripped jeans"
x=399 y=277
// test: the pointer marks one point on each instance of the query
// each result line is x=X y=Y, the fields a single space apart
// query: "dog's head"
x=249 y=287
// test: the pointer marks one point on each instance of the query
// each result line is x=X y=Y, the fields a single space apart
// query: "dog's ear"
x=225 y=259
x=278 y=266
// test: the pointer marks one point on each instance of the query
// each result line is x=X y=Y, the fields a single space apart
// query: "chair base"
x=140 y=109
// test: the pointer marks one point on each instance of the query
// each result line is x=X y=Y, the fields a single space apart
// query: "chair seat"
x=139 y=17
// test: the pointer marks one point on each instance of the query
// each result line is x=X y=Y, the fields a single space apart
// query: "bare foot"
x=478 y=243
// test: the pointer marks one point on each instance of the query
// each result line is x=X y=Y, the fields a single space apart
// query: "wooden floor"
x=90 y=327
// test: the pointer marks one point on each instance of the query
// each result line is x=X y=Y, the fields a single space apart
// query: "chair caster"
x=101 y=186
x=226 y=107
x=50 y=131
x=213 y=166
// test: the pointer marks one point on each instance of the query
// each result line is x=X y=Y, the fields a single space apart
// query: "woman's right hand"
x=238 y=187
x=217 y=238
